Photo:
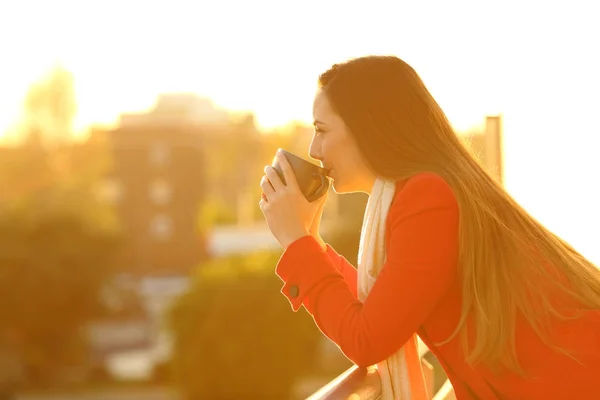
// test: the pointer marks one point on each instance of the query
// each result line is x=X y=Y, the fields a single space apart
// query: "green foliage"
x=344 y=236
x=236 y=335
x=214 y=212
x=50 y=107
x=53 y=264
x=236 y=162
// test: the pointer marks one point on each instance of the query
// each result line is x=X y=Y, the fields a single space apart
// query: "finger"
x=288 y=172
x=274 y=178
x=262 y=204
x=266 y=186
x=264 y=197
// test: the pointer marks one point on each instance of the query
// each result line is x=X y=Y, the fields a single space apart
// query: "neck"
x=369 y=184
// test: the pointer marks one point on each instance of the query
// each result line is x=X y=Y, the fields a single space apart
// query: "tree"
x=235 y=335
x=53 y=264
x=235 y=164
x=344 y=235
x=50 y=108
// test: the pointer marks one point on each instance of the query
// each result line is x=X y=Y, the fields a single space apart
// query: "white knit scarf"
x=401 y=374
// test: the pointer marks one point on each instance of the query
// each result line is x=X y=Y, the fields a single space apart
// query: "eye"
x=318 y=131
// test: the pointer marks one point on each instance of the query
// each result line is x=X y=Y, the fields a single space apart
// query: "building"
x=156 y=184
x=179 y=108
x=161 y=176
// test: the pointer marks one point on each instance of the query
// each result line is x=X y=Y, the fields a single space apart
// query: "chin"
x=336 y=190
x=336 y=187
x=340 y=188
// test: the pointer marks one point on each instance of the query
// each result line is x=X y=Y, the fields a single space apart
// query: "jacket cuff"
x=301 y=266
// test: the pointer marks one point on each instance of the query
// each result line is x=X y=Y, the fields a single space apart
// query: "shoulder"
x=424 y=190
x=423 y=222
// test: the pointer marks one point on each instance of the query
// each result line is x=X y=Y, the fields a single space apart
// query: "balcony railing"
x=364 y=384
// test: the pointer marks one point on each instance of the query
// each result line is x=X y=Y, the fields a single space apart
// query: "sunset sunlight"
x=532 y=63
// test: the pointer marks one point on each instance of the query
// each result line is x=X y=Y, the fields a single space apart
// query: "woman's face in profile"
x=334 y=146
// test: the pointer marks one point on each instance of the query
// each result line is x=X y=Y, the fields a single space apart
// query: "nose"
x=314 y=151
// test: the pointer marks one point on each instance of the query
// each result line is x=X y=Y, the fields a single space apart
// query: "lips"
x=328 y=168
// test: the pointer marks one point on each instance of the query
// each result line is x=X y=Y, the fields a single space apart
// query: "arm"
x=347 y=270
x=420 y=268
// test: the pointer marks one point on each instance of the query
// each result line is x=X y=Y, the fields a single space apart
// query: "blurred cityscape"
x=135 y=262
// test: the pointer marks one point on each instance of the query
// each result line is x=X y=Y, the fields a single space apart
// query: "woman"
x=510 y=310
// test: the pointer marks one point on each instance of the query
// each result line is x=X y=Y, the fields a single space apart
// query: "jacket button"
x=294 y=291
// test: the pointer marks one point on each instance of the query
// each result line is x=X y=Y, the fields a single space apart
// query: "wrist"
x=293 y=238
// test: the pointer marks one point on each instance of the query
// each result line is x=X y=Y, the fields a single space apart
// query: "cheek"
x=354 y=160
x=331 y=153
x=342 y=154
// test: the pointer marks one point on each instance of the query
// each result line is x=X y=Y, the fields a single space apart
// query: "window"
x=161 y=227
x=159 y=154
x=109 y=190
x=160 y=192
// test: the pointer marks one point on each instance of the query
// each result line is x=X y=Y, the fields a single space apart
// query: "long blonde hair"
x=509 y=263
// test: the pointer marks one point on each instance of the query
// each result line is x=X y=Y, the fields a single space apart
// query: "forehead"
x=321 y=106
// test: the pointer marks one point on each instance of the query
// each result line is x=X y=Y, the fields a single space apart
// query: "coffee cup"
x=312 y=179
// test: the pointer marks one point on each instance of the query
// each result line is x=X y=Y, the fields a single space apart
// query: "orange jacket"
x=418 y=291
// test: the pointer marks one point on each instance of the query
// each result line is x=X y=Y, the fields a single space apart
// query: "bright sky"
x=533 y=61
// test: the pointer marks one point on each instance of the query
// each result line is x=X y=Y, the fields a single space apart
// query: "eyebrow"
x=316 y=121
